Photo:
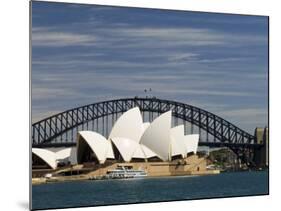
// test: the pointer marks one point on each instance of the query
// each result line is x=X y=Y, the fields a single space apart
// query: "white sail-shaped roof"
x=176 y=149
x=126 y=147
x=138 y=153
x=157 y=136
x=191 y=142
x=100 y=146
x=67 y=154
x=178 y=146
x=47 y=156
x=148 y=152
x=110 y=153
x=145 y=125
x=129 y=126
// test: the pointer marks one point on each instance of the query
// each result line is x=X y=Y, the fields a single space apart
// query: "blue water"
x=103 y=192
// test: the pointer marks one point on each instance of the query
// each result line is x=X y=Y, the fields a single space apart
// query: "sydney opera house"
x=130 y=141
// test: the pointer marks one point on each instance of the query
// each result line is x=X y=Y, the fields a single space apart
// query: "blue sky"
x=85 y=53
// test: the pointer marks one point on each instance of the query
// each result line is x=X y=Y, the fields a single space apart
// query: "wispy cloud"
x=96 y=54
x=46 y=37
x=244 y=112
x=183 y=57
x=127 y=36
x=249 y=118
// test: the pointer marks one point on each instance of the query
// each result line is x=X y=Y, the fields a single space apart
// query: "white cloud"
x=47 y=37
x=125 y=59
x=246 y=118
x=245 y=112
x=43 y=92
x=39 y=114
x=183 y=57
x=177 y=34
x=124 y=36
x=207 y=92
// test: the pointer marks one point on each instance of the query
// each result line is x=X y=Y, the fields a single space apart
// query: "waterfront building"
x=261 y=155
x=130 y=140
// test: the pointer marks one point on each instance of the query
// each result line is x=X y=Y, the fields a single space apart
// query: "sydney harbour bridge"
x=60 y=130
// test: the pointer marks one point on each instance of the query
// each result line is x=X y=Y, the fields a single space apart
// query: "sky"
x=83 y=54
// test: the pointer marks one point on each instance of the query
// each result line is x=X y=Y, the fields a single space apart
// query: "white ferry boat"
x=125 y=172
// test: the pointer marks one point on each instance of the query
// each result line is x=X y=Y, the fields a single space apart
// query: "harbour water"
x=104 y=192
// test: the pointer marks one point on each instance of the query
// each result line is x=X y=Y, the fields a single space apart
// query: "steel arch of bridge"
x=224 y=132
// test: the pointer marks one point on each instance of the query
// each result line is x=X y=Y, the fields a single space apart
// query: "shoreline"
x=56 y=179
x=60 y=179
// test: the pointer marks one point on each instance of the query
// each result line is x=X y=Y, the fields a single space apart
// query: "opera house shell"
x=130 y=140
